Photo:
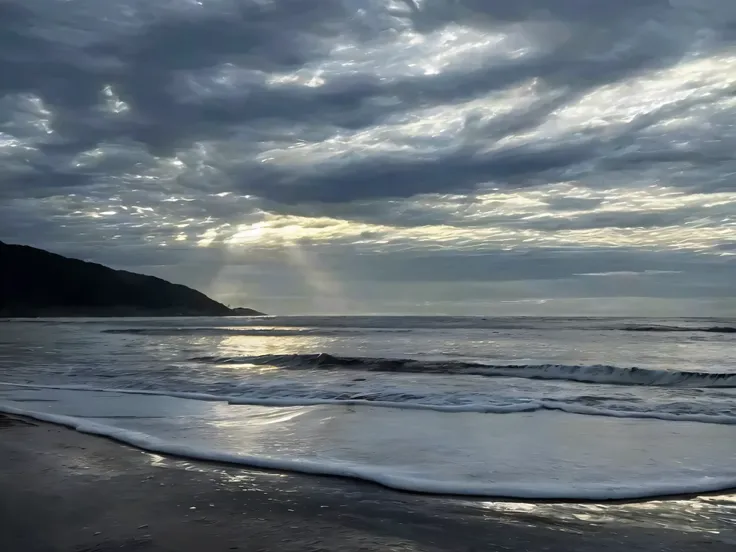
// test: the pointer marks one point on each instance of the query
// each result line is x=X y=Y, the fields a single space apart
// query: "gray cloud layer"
x=382 y=141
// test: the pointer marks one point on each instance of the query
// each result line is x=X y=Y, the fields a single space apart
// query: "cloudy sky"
x=355 y=156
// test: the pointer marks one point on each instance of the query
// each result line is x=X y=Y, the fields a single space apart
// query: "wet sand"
x=61 y=490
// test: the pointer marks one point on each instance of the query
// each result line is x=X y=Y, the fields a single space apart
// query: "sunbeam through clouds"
x=554 y=156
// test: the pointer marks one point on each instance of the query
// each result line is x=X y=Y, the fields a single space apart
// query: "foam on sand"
x=528 y=455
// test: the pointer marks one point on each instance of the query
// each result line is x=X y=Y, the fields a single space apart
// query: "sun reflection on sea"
x=253 y=345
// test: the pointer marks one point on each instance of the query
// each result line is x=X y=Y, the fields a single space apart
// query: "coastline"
x=121 y=313
x=64 y=490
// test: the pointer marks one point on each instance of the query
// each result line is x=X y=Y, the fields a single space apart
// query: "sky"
x=481 y=157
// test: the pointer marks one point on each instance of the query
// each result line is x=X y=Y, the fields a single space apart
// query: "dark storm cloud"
x=491 y=142
x=67 y=59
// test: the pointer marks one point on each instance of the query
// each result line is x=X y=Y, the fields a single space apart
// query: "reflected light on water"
x=251 y=345
x=705 y=514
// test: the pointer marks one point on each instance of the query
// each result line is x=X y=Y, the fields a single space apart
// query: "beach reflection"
x=712 y=514
x=715 y=514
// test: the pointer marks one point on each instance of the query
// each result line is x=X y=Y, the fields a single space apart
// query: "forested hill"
x=34 y=282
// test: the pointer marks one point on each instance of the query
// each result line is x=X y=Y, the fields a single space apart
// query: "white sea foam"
x=538 y=461
x=487 y=408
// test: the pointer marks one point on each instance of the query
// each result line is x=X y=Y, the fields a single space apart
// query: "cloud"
x=280 y=132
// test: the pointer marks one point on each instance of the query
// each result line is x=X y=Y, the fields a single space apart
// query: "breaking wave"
x=655 y=328
x=579 y=373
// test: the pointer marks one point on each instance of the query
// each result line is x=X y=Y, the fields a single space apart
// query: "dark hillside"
x=34 y=282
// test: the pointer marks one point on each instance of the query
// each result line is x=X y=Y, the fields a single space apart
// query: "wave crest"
x=580 y=373
x=656 y=328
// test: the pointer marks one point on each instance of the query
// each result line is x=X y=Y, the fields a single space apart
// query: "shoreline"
x=103 y=432
x=72 y=425
x=66 y=490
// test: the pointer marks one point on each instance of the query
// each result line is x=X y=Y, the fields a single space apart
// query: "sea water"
x=555 y=408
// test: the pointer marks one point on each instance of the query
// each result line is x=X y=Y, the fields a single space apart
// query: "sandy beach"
x=61 y=490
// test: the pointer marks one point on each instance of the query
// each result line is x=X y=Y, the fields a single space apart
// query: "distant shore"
x=38 y=283
x=121 y=312
x=63 y=490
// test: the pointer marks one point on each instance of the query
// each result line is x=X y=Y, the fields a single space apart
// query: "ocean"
x=527 y=408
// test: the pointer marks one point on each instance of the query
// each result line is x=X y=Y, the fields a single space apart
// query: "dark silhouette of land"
x=34 y=282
